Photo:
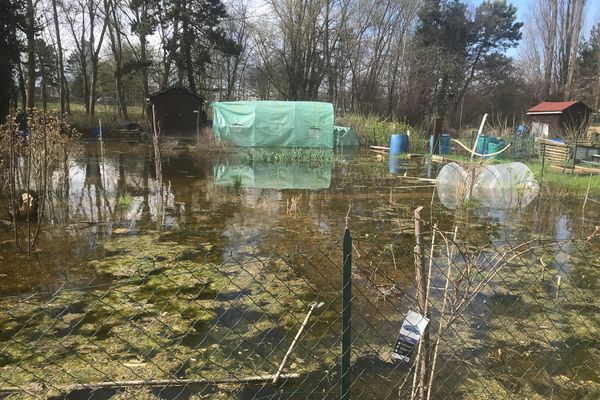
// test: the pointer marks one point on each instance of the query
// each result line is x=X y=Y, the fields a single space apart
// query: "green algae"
x=166 y=312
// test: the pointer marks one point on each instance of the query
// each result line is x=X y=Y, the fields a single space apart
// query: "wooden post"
x=421 y=281
x=198 y=125
x=346 y=315
x=543 y=157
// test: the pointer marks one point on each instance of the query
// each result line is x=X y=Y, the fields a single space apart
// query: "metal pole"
x=346 y=308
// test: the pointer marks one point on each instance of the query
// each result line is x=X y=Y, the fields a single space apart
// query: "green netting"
x=274 y=123
x=344 y=136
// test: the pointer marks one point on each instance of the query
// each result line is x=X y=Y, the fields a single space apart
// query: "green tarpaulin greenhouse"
x=345 y=137
x=274 y=123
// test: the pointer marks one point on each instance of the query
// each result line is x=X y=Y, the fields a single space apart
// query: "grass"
x=109 y=116
x=372 y=130
x=575 y=184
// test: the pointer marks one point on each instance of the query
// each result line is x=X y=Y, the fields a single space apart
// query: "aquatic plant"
x=237 y=183
x=125 y=201
x=288 y=156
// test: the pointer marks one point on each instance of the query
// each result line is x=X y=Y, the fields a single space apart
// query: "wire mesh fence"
x=505 y=319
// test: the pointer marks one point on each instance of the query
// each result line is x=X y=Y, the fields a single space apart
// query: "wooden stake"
x=420 y=276
x=157 y=383
x=587 y=193
x=543 y=269
x=285 y=358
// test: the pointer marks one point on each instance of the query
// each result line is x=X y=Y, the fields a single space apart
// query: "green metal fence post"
x=347 y=300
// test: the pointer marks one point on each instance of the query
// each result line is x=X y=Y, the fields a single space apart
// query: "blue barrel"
x=482 y=144
x=396 y=166
x=95 y=132
x=398 y=144
x=444 y=143
x=496 y=147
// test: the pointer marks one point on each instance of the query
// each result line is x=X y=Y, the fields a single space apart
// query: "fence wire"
x=155 y=319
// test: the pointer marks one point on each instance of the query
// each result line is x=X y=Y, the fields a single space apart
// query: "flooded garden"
x=192 y=280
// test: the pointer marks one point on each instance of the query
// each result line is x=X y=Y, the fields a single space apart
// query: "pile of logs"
x=555 y=153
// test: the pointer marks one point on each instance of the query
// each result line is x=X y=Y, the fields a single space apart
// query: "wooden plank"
x=578 y=169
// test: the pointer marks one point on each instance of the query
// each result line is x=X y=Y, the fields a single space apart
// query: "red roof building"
x=558 y=119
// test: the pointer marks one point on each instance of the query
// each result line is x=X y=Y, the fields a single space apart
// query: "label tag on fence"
x=411 y=331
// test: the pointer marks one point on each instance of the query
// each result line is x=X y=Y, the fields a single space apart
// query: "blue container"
x=398 y=144
x=496 y=147
x=396 y=166
x=444 y=143
x=95 y=132
x=482 y=144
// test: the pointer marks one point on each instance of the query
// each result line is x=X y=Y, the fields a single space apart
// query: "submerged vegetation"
x=288 y=156
x=151 y=318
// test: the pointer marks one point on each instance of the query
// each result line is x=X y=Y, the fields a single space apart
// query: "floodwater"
x=234 y=202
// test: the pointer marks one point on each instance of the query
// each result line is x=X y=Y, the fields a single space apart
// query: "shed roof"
x=172 y=88
x=551 y=107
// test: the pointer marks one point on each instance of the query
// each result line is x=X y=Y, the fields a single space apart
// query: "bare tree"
x=82 y=17
x=63 y=89
x=116 y=46
x=555 y=26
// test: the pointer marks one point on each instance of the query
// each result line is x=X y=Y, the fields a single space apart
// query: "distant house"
x=177 y=110
x=553 y=119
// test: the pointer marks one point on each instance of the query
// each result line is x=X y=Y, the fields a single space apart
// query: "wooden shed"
x=178 y=111
x=553 y=119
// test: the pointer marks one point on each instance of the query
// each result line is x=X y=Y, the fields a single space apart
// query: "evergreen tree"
x=457 y=47
x=9 y=51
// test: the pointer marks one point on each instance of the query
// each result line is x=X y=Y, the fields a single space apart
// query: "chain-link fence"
x=164 y=318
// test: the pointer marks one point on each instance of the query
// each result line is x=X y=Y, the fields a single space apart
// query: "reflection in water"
x=115 y=191
x=110 y=188
x=264 y=175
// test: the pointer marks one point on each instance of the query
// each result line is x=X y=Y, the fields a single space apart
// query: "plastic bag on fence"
x=505 y=186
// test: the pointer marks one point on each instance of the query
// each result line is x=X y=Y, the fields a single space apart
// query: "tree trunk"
x=143 y=56
x=61 y=67
x=30 y=34
x=22 y=86
x=577 y=15
x=549 y=46
x=117 y=50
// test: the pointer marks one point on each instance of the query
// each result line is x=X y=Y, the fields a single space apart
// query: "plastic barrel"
x=496 y=147
x=482 y=144
x=95 y=132
x=445 y=143
x=398 y=144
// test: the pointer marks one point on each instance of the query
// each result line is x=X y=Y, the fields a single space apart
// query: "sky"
x=592 y=16
x=592 y=11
